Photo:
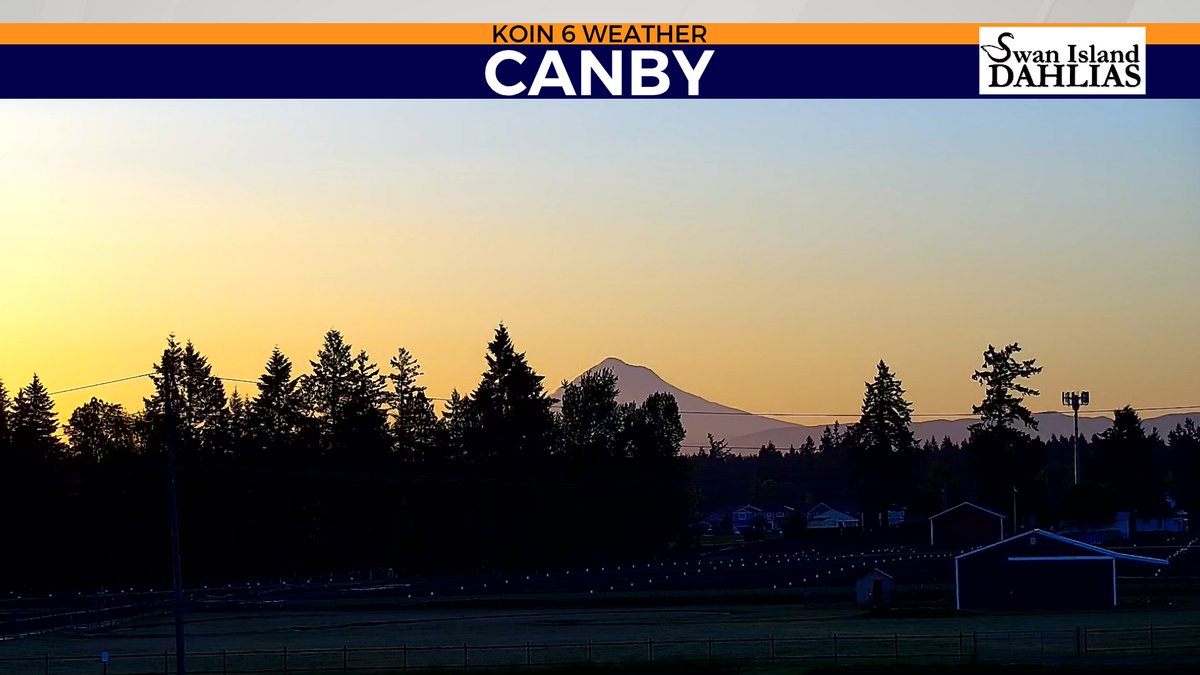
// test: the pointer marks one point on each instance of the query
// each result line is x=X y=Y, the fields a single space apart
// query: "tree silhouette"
x=414 y=424
x=344 y=396
x=882 y=446
x=456 y=426
x=199 y=405
x=274 y=416
x=35 y=426
x=1184 y=442
x=1125 y=461
x=1004 y=457
x=5 y=424
x=510 y=407
x=1004 y=397
x=716 y=449
x=100 y=432
x=592 y=420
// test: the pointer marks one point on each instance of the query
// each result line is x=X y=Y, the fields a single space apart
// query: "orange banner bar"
x=483 y=33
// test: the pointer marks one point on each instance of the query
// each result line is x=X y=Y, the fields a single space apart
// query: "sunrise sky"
x=763 y=254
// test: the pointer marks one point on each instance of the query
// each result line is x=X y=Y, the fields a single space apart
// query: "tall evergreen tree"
x=882 y=446
x=511 y=407
x=198 y=403
x=1184 y=442
x=35 y=438
x=884 y=427
x=1004 y=396
x=1127 y=463
x=1004 y=457
x=5 y=423
x=274 y=416
x=414 y=424
x=344 y=395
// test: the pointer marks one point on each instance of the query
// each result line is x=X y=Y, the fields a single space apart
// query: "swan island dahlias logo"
x=1062 y=61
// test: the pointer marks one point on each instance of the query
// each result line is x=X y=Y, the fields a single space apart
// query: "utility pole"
x=173 y=498
x=1074 y=400
x=1014 y=520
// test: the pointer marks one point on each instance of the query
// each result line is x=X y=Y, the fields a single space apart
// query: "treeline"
x=876 y=462
x=346 y=467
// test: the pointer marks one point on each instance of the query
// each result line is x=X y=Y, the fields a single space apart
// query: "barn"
x=1040 y=570
x=965 y=526
x=875 y=589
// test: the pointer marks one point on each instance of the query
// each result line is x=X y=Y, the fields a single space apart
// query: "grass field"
x=443 y=635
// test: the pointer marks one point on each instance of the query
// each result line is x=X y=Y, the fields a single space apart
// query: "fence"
x=1078 y=643
x=17 y=627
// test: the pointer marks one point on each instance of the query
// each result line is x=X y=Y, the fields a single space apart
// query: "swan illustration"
x=998 y=52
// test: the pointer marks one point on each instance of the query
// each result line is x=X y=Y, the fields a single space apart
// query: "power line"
x=98 y=384
x=236 y=379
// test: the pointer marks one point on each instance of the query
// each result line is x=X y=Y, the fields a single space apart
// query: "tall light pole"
x=1074 y=400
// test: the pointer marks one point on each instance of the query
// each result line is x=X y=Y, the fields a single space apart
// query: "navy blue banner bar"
x=458 y=71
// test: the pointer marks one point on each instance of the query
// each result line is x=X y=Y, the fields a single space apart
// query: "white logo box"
x=1064 y=61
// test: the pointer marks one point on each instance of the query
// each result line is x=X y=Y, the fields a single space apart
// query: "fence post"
x=165 y=664
x=772 y=648
x=1085 y=640
x=404 y=656
x=589 y=651
x=1078 y=643
x=528 y=656
x=224 y=667
x=710 y=648
x=1151 y=639
x=464 y=654
x=960 y=647
x=285 y=667
x=835 y=647
x=974 y=646
x=344 y=658
x=46 y=659
x=650 y=648
x=895 y=646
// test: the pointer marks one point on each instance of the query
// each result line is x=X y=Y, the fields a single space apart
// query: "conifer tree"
x=1004 y=457
x=511 y=407
x=273 y=417
x=198 y=403
x=881 y=446
x=344 y=396
x=5 y=423
x=1004 y=396
x=414 y=423
x=35 y=438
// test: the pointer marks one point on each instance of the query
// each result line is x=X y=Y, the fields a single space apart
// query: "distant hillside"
x=741 y=429
x=1049 y=424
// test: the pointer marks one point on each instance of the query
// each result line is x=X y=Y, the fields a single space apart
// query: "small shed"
x=1040 y=570
x=964 y=527
x=875 y=589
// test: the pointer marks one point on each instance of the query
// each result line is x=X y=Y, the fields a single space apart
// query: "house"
x=964 y=527
x=1173 y=523
x=823 y=516
x=1040 y=570
x=772 y=517
x=875 y=589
